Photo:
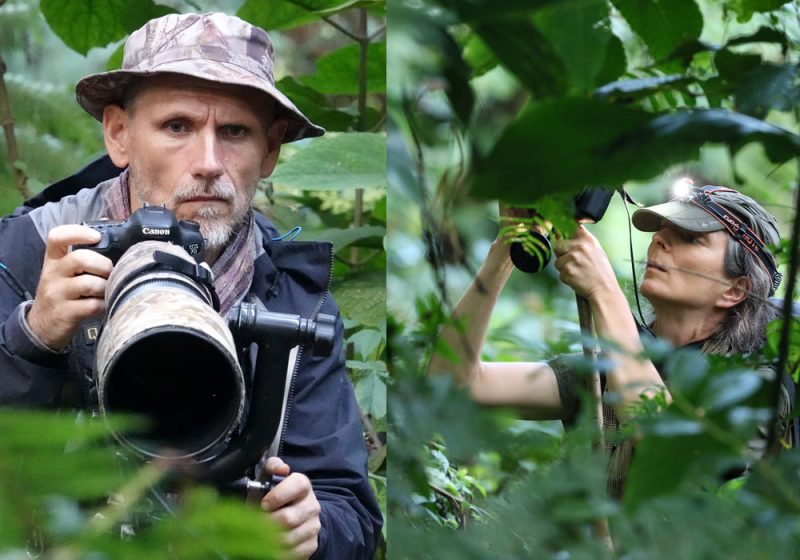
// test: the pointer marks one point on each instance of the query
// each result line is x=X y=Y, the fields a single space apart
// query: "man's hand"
x=292 y=503
x=583 y=265
x=71 y=288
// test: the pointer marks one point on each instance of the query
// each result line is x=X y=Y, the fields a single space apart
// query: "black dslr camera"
x=149 y=223
x=589 y=207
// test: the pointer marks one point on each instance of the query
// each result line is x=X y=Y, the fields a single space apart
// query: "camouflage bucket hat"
x=213 y=46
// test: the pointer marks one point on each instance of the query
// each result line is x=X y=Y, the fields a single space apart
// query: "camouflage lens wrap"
x=164 y=353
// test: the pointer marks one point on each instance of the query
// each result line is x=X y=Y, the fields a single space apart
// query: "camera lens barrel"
x=533 y=254
x=164 y=353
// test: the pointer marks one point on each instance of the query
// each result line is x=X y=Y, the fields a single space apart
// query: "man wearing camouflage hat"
x=195 y=120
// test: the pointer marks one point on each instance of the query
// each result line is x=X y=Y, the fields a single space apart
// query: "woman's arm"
x=532 y=387
x=584 y=266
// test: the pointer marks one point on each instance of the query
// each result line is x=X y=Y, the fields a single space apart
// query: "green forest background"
x=525 y=101
x=528 y=103
x=332 y=63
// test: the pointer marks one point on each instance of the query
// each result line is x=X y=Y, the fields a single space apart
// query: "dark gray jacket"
x=321 y=434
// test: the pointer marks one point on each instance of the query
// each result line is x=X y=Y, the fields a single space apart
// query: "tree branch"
x=343 y=29
x=8 y=130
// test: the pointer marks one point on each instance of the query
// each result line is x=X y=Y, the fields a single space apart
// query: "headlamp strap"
x=737 y=229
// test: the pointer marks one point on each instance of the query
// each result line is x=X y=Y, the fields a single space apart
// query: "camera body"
x=149 y=223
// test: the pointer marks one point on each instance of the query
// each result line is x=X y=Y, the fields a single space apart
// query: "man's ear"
x=735 y=293
x=115 y=134
x=274 y=140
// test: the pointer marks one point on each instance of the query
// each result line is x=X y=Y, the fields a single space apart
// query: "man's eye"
x=176 y=127
x=235 y=131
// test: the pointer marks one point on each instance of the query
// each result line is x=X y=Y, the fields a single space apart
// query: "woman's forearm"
x=632 y=376
x=462 y=339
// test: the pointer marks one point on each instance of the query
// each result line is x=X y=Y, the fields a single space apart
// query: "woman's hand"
x=583 y=265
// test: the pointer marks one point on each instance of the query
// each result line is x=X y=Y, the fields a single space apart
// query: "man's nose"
x=207 y=160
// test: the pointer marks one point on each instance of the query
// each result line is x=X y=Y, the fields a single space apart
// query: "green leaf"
x=288 y=14
x=664 y=464
x=366 y=341
x=371 y=395
x=315 y=105
x=731 y=67
x=579 y=33
x=275 y=14
x=341 y=238
x=663 y=25
x=338 y=72
x=746 y=8
x=484 y=10
x=96 y=23
x=362 y=296
x=627 y=90
x=526 y=53
x=730 y=388
x=116 y=58
x=344 y=161
x=607 y=145
x=478 y=56
x=767 y=87
x=762 y=35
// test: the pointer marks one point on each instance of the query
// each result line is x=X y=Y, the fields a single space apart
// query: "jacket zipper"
x=299 y=357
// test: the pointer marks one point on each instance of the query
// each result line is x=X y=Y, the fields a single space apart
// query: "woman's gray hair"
x=744 y=330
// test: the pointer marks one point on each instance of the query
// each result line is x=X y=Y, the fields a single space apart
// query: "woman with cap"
x=708 y=274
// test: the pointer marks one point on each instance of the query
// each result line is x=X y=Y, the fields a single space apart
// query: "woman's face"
x=685 y=268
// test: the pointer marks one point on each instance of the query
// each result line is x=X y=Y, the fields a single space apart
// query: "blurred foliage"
x=528 y=102
x=333 y=188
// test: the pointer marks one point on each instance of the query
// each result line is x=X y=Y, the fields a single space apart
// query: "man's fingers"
x=60 y=238
x=85 y=286
x=275 y=465
x=304 y=532
x=295 y=487
x=84 y=261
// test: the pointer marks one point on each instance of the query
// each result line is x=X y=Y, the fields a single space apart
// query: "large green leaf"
x=288 y=14
x=580 y=33
x=766 y=87
x=345 y=161
x=275 y=14
x=362 y=296
x=96 y=23
x=565 y=145
x=338 y=72
x=526 y=53
x=664 y=465
x=484 y=10
x=663 y=25
x=315 y=105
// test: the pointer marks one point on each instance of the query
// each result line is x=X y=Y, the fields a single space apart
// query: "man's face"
x=198 y=148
